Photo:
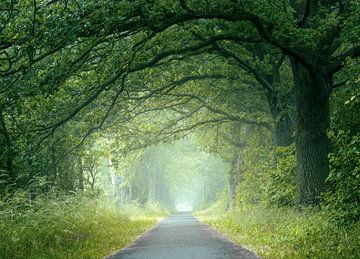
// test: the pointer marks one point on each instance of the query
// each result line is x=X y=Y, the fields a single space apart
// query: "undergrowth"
x=286 y=232
x=73 y=226
x=267 y=219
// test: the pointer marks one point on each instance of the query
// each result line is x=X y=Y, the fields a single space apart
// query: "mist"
x=179 y=176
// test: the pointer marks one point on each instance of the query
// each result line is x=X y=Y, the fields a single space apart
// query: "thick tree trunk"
x=312 y=94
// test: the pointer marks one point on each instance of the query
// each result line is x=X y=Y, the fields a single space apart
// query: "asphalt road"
x=182 y=236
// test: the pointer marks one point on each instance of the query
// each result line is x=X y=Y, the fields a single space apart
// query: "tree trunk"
x=8 y=151
x=130 y=193
x=231 y=193
x=80 y=174
x=283 y=131
x=312 y=92
x=235 y=178
x=151 y=183
x=283 y=128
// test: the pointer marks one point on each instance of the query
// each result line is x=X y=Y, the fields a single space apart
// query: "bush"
x=269 y=176
x=280 y=185
x=343 y=197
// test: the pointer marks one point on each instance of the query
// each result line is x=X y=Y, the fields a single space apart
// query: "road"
x=182 y=236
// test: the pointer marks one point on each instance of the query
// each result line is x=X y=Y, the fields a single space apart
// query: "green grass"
x=70 y=227
x=286 y=232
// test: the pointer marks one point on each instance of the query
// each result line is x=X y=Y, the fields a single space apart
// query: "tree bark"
x=312 y=93
x=80 y=174
x=231 y=193
x=235 y=178
x=283 y=131
x=8 y=151
x=283 y=127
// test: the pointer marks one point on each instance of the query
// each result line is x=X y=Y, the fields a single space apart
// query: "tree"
x=316 y=55
x=317 y=36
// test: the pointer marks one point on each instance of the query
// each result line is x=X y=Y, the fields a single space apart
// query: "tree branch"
x=99 y=126
x=306 y=14
x=339 y=60
x=339 y=84
x=235 y=16
x=130 y=69
x=226 y=114
x=254 y=71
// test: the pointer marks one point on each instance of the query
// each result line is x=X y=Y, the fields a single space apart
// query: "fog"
x=178 y=176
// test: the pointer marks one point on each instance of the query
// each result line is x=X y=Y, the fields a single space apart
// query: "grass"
x=70 y=227
x=287 y=232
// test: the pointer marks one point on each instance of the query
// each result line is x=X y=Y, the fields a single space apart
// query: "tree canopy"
x=145 y=72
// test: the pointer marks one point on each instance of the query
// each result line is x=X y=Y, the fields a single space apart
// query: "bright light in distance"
x=184 y=207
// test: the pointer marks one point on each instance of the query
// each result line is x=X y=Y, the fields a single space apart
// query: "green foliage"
x=69 y=69
x=343 y=197
x=216 y=209
x=280 y=187
x=57 y=226
x=269 y=176
x=346 y=104
x=263 y=220
x=288 y=233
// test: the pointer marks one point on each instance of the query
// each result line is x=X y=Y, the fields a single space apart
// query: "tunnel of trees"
x=183 y=102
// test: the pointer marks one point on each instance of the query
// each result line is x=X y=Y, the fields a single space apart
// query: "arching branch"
x=306 y=14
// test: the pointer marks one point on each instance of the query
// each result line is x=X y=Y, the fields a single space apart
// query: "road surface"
x=182 y=236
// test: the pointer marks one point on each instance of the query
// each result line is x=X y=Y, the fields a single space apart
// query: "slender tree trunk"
x=204 y=191
x=157 y=186
x=312 y=92
x=231 y=193
x=92 y=176
x=9 y=155
x=80 y=174
x=53 y=174
x=150 y=190
x=151 y=184
x=235 y=179
x=283 y=131
x=130 y=193
x=115 y=183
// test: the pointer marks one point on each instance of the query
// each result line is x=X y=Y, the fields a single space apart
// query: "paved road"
x=182 y=236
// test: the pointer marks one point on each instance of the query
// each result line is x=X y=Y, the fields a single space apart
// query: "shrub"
x=280 y=185
x=343 y=198
x=269 y=176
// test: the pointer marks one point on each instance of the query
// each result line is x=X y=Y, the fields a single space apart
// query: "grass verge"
x=286 y=232
x=70 y=227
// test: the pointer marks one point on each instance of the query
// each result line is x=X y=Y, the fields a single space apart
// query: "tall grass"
x=69 y=226
x=287 y=232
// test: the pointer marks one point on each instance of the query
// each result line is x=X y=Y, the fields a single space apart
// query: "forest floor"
x=182 y=235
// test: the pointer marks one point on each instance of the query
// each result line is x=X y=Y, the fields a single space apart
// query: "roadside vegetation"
x=76 y=226
x=266 y=218
x=108 y=107
x=287 y=232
